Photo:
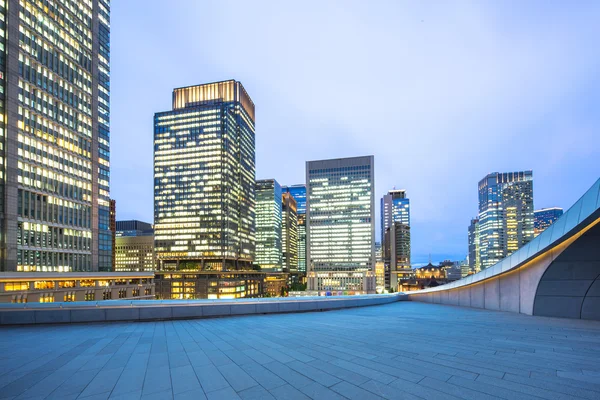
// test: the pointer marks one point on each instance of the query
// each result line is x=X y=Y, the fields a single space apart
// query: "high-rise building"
x=299 y=194
x=505 y=214
x=268 y=225
x=113 y=231
x=289 y=234
x=395 y=235
x=204 y=177
x=544 y=218
x=340 y=224
x=54 y=136
x=395 y=207
x=474 y=252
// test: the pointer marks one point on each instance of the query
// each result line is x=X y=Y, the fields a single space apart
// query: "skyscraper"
x=395 y=206
x=341 y=224
x=54 y=137
x=289 y=234
x=395 y=235
x=544 y=218
x=299 y=194
x=505 y=214
x=268 y=225
x=204 y=177
x=474 y=252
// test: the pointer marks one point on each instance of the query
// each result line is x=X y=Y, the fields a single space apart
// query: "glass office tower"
x=505 y=214
x=544 y=218
x=54 y=136
x=341 y=224
x=395 y=236
x=204 y=176
x=474 y=252
x=299 y=194
x=268 y=225
x=289 y=234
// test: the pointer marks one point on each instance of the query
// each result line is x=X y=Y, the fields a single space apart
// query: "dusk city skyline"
x=510 y=91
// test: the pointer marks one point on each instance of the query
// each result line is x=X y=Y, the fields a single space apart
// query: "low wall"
x=112 y=311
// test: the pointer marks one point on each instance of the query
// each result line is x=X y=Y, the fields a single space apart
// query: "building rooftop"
x=400 y=350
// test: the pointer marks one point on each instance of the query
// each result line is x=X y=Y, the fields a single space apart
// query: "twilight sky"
x=440 y=92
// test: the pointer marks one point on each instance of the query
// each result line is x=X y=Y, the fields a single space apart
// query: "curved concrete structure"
x=557 y=274
x=152 y=310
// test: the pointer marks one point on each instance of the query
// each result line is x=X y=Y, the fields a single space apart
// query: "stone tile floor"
x=404 y=350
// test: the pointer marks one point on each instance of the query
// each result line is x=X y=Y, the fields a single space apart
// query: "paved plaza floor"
x=404 y=350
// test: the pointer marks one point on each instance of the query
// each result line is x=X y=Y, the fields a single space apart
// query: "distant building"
x=204 y=176
x=275 y=284
x=453 y=270
x=505 y=214
x=544 y=218
x=341 y=225
x=113 y=230
x=299 y=194
x=430 y=276
x=268 y=225
x=378 y=252
x=395 y=236
x=209 y=284
x=51 y=287
x=134 y=228
x=474 y=251
x=289 y=234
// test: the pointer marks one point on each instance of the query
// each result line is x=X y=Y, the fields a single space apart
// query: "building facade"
x=505 y=214
x=268 y=225
x=204 y=177
x=474 y=252
x=395 y=236
x=134 y=228
x=209 y=284
x=544 y=218
x=340 y=225
x=50 y=287
x=299 y=194
x=54 y=136
x=289 y=234
x=135 y=253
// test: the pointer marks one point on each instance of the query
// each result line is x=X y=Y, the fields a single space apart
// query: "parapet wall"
x=149 y=310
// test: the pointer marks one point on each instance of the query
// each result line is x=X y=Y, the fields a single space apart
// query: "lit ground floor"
x=404 y=350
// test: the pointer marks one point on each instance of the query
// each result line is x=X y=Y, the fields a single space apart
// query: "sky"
x=440 y=92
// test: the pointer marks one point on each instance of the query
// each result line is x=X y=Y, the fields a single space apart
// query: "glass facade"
x=54 y=135
x=289 y=233
x=544 y=218
x=474 y=252
x=505 y=215
x=299 y=194
x=268 y=225
x=204 y=177
x=395 y=235
x=340 y=226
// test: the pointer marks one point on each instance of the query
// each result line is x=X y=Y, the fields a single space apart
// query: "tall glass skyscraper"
x=299 y=194
x=289 y=234
x=268 y=225
x=204 y=177
x=544 y=218
x=341 y=224
x=474 y=252
x=54 y=136
x=395 y=236
x=505 y=214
